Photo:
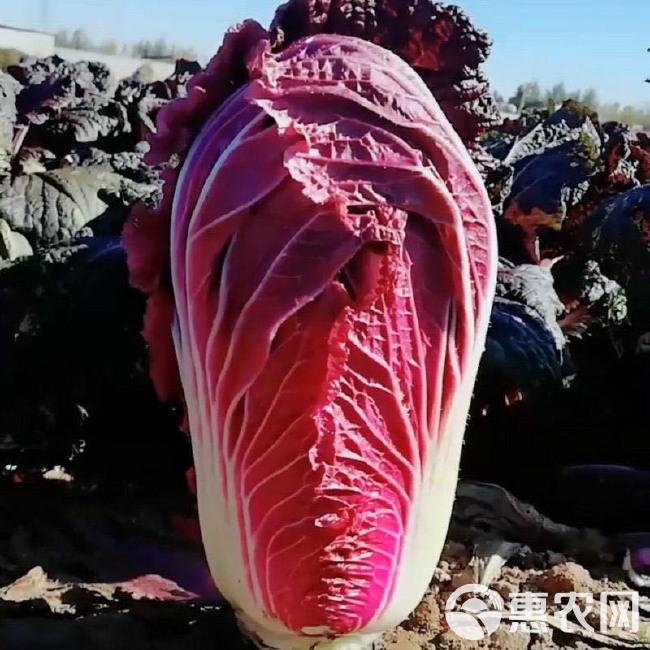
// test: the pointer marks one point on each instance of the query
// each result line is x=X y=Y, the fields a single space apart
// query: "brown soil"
x=62 y=587
x=427 y=628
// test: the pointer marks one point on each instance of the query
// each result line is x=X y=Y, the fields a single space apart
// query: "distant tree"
x=143 y=49
x=75 y=40
x=519 y=98
x=609 y=111
x=558 y=93
x=109 y=46
x=631 y=115
x=188 y=53
x=527 y=95
x=590 y=97
x=62 y=38
x=159 y=49
x=79 y=40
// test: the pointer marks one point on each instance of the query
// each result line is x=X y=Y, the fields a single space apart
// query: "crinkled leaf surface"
x=552 y=165
x=438 y=40
x=619 y=231
x=54 y=205
x=328 y=316
x=8 y=90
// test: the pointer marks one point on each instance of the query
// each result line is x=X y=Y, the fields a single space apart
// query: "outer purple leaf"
x=332 y=265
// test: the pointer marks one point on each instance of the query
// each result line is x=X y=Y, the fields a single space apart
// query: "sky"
x=584 y=43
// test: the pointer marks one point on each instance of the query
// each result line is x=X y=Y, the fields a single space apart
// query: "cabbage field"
x=101 y=399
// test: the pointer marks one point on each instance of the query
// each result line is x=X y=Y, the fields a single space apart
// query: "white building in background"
x=41 y=44
x=28 y=41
